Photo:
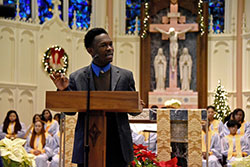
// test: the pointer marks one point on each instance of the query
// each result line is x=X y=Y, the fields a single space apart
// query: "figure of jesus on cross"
x=173 y=46
x=173 y=28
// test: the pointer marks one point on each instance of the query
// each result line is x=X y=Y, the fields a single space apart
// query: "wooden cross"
x=176 y=21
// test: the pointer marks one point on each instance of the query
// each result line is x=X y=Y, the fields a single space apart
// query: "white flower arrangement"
x=13 y=153
x=241 y=162
x=173 y=103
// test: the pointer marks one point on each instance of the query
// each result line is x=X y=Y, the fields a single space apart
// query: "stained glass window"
x=45 y=9
x=24 y=6
x=217 y=9
x=133 y=10
x=83 y=11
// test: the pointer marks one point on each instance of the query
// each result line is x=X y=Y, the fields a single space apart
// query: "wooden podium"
x=100 y=103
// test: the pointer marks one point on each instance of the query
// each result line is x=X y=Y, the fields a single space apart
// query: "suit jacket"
x=121 y=80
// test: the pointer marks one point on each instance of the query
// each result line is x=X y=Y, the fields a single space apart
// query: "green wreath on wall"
x=56 y=60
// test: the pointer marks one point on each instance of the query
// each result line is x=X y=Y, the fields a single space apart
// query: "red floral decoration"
x=170 y=163
x=145 y=158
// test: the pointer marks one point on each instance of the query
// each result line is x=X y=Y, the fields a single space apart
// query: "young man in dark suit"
x=103 y=76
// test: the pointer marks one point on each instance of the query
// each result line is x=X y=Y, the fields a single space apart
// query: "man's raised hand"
x=60 y=80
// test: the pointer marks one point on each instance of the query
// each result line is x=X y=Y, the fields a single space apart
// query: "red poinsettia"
x=145 y=158
x=171 y=163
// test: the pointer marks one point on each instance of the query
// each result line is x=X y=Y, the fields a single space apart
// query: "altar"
x=188 y=99
x=178 y=134
x=173 y=48
x=174 y=72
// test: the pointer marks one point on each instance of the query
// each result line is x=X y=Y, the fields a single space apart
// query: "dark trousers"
x=114 y=157
x=1 y=163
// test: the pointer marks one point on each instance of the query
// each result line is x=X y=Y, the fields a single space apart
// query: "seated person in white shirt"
x=214 y=147
x=234 y=145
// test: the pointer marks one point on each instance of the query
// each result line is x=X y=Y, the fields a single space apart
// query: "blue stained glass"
x=133 y=10
x=45 y=9
x=9 y=2
x=217 y=9
x=83 y=12
x=25 y=9
x=24 y=6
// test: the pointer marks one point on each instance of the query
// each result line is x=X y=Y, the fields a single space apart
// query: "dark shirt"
x=113 y=146
x=102 y=83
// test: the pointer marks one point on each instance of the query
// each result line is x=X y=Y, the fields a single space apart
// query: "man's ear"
x=90 y=51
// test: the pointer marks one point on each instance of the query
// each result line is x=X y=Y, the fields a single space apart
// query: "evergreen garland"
x=221 y=102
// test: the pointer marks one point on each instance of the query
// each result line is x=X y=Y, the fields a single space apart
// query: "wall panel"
x=26 y=106
x=26 y=58
x=7 y=101
x=7 y=56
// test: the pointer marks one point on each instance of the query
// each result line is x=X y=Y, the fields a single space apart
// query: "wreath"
x=56 y=60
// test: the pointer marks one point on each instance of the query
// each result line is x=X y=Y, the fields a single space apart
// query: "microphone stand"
x=62 y=140
x=86 y=146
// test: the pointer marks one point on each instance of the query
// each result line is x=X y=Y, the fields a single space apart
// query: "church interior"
x=190 y=59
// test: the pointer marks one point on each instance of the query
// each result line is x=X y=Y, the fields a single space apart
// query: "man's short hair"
x=90 y=36
x=212 y=107
x=239 y=110
x=232 y=123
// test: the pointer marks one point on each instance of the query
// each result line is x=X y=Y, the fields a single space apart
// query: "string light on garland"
x=145 y=21
x=55 y=59
x=200 y=13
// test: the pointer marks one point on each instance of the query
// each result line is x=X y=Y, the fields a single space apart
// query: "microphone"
x=96 y=56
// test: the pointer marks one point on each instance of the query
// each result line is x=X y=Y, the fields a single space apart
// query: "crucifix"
x=174 y=28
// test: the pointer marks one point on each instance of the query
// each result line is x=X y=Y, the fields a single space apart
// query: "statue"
x=173 y=46
x=185 y=64
x=160 y=66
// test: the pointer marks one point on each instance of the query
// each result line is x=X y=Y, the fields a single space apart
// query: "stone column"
x=110 y=17
x=240 y=11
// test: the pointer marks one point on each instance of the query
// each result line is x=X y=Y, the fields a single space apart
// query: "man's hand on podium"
x=142 y=103
x=60 y=80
